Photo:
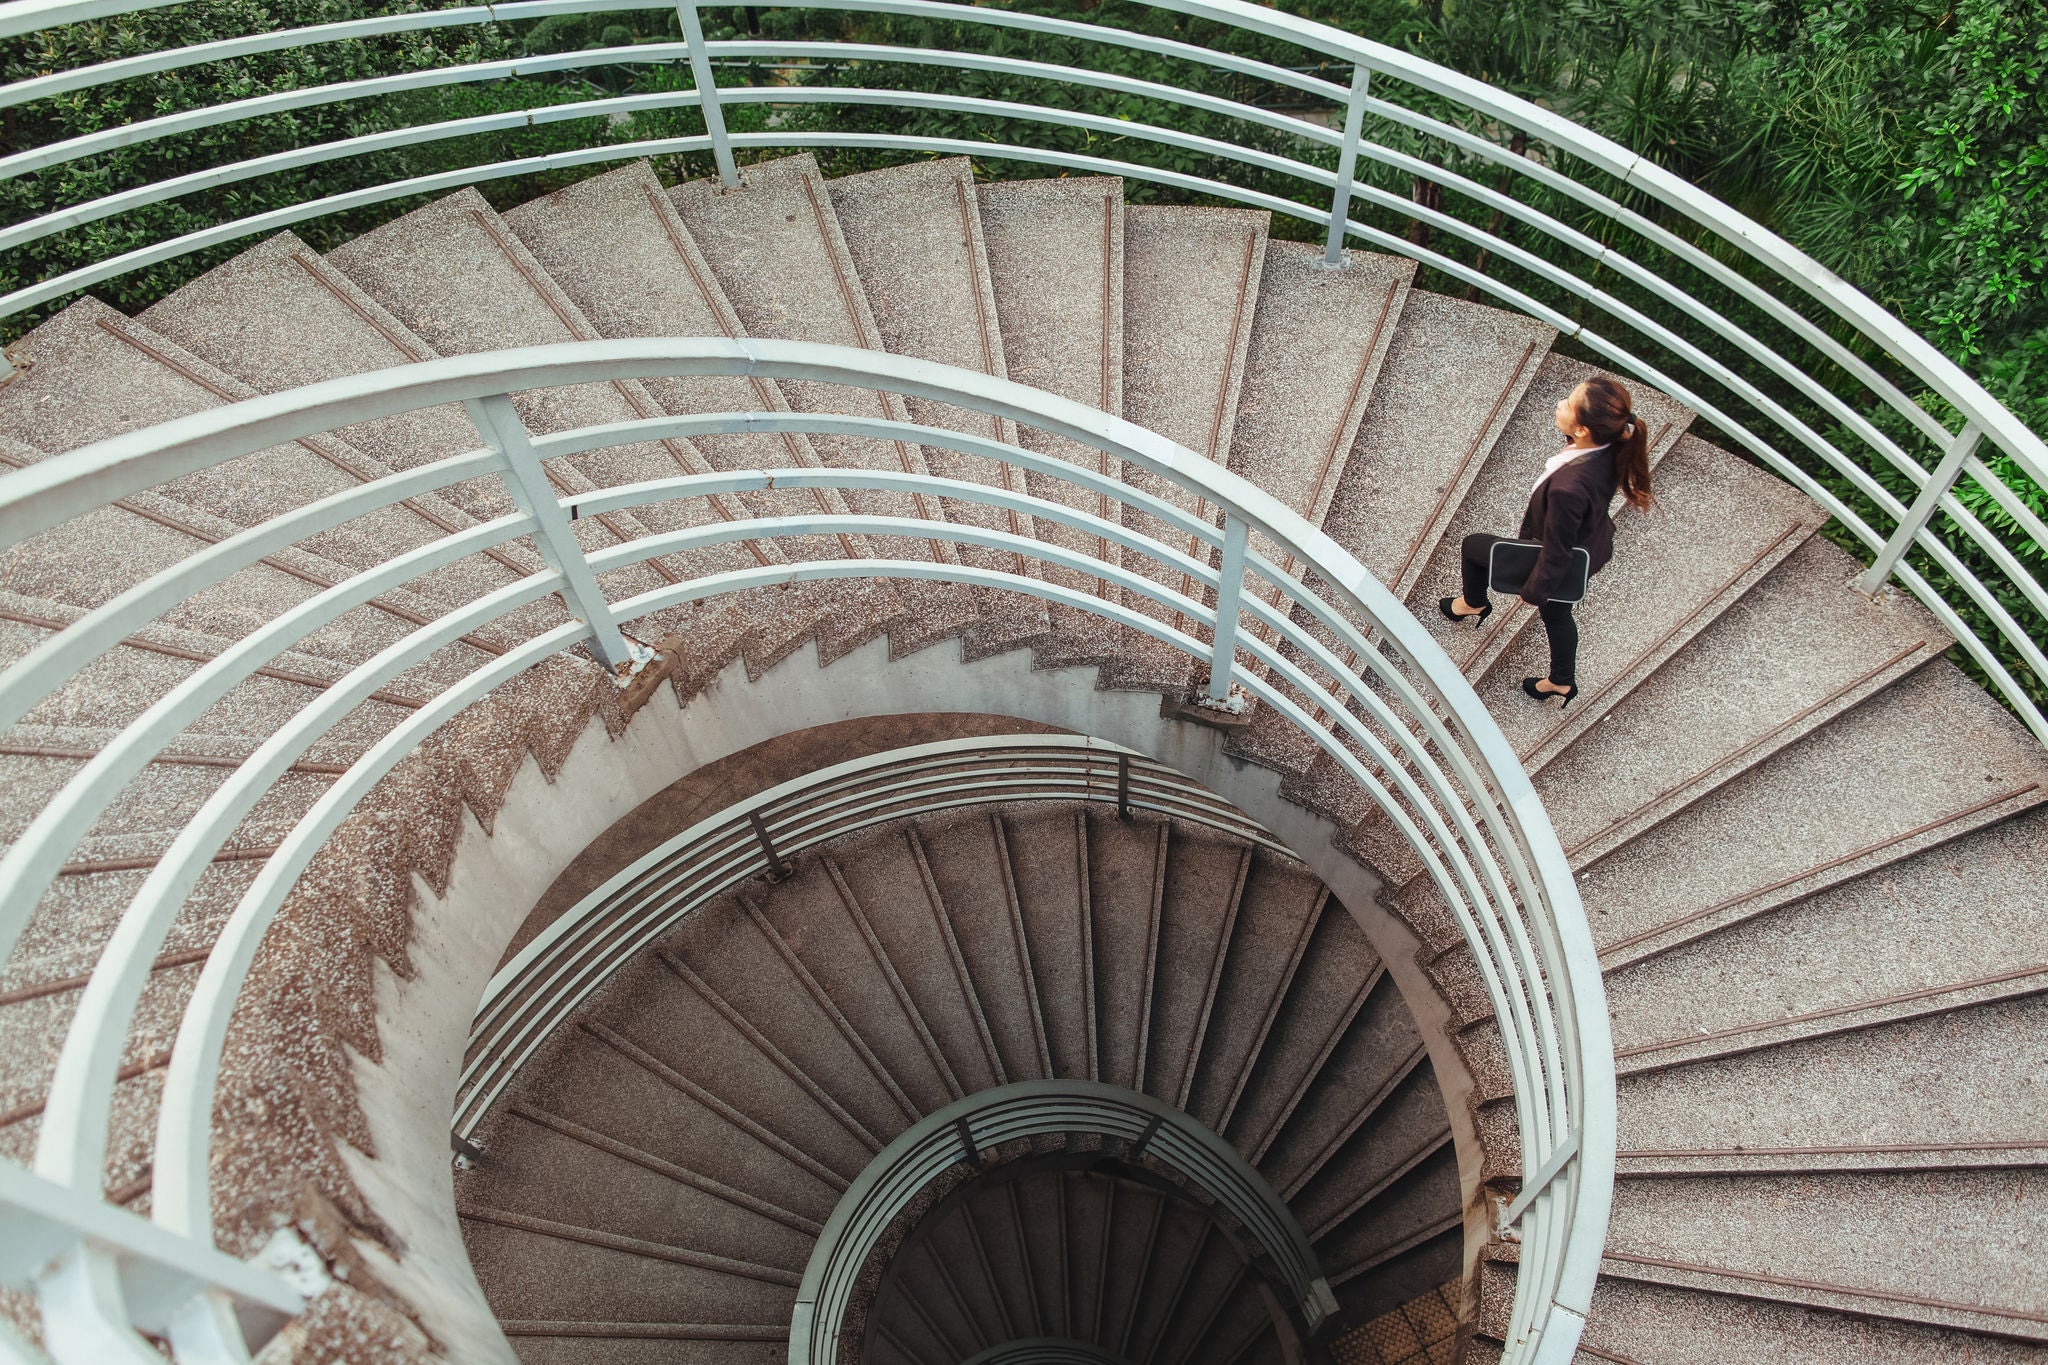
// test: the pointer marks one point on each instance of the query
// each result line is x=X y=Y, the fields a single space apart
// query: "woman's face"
x=1568 y=413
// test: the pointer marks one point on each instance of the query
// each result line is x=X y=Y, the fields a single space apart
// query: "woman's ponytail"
x=1608 y=413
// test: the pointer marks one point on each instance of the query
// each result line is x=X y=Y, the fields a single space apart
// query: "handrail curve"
x=1409 y=730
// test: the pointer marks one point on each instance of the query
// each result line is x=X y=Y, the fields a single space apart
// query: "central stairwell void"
x=863 y=769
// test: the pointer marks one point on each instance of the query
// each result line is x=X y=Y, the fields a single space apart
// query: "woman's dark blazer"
x=1569 y=510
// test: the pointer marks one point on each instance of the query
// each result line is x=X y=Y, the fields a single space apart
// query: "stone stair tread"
x=1381 y=1047
x=1917 y=1083
x=582 y=1342
x=988 y=926
x=1281 y=905
x=1910 y=1244
x=1055 y=258
x=1190 y=288
x=1398 y=1136
x=1801 y=970
x=775 y=247
x=1499 y=489
x=616 y=248
x=1125 y=871
x=1049 y=860
x=1720 y=526
x=1454 y=373
x=1417 y=1216
x=1204 y=886
x=1934 y=756
x=1789 y=655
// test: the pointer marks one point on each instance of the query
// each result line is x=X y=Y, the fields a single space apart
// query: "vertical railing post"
x=1229 y=593
x=1347 y=164
x=707 y=94
x=502 y=430
x=1922 y=511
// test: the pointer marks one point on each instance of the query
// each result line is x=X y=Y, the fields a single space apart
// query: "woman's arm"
x=1565 y=517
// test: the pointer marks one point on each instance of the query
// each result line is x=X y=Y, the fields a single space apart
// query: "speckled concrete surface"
x=1787 y=974
x=1454 y=373
x=1781 y=661
x=1946 y=756
x=1055 y=255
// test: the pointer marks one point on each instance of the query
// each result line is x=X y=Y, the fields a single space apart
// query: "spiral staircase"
x=1811 y=851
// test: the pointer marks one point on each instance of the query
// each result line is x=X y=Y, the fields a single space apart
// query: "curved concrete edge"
x=494 y=880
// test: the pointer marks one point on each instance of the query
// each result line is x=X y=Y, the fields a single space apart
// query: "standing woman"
x=1609 y=452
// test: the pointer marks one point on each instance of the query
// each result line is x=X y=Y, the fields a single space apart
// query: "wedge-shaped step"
x=615 y=247
x=1399 y=1245
x=1191 y=287
x=1934 y=758
x=1909 y=1245
x=1127 y=882
x=455 y=274
x=1897 y=1095
x=1769 y=669
x=1498 y=491
x=1205 y=881
x=1055 y=254
x=970 y=862
x=775 y=246
x=1048 y=857
x=1720 y=528
x=915 y=239
x=1806 y=970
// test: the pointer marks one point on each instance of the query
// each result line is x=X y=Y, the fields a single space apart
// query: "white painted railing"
x=1723 y=355
x=1407 y=729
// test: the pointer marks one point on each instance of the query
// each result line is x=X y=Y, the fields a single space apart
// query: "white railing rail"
x=1713 y=344
x=1347 y=666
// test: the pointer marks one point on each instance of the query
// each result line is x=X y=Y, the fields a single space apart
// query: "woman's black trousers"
x=1557 y=616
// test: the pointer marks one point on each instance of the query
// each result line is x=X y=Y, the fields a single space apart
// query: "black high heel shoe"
x=1477 y=618
x=1529 y=686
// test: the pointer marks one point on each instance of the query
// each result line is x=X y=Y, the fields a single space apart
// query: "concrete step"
x=1399 y=1245
x=1337 y=976
x=1276 y=915
x=1907 y=1245
x=1403 y=1131
x=1790 y=827
x=1721 y=528
x=1789 y=656
x=1783 y=976
x=969 y=857
x=456 y=275
x=616 y=248
x=775 y=248
x=795 y=965
x=1048 y=857
x=1636 y=1321
x=1454 y=373
x=1126 y=883
x=1191 y=280
x=1055 y=255
x=914 y=236
x=1169 y=1296
x=1205 y=881
x=1898 y=1095
x=893 y=884
x=1498 y=491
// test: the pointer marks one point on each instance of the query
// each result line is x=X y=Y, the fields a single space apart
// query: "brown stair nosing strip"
x=830 y=1008
x=632 y=1246
x=1386 y=1182
x=1730 y=765
x=1272 y=1010
x=1366 y=1110
x=1429 y=1232
x=1599 y=1354
x=643 y=1331
x=134 y=1189
x=1141 y=1041
x=963 y=978
x=190 y=760
x=1022 y=944
x=675 y=1080
x=93 y=866
x=184 y=957
x=194 y=656
x=704 y=1184
x=1953 y=817
x=879 y=955
x=1084 y=905
x=1854 y=1007
x=23 y=1112
x=1820 y=1287
x=1879 y=1148
x=1232 y=906
x=782 y=1061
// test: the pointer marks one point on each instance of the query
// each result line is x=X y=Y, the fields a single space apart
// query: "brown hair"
x=1606 y=411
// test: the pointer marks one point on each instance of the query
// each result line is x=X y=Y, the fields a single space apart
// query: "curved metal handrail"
x=963 y=1130
x=1933 y=482
x=551 y=976
x=1409 y=731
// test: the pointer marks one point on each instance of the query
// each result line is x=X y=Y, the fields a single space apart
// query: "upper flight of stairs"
x=1810 y=850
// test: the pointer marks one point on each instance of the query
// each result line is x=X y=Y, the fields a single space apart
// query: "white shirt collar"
x=1563 y=458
